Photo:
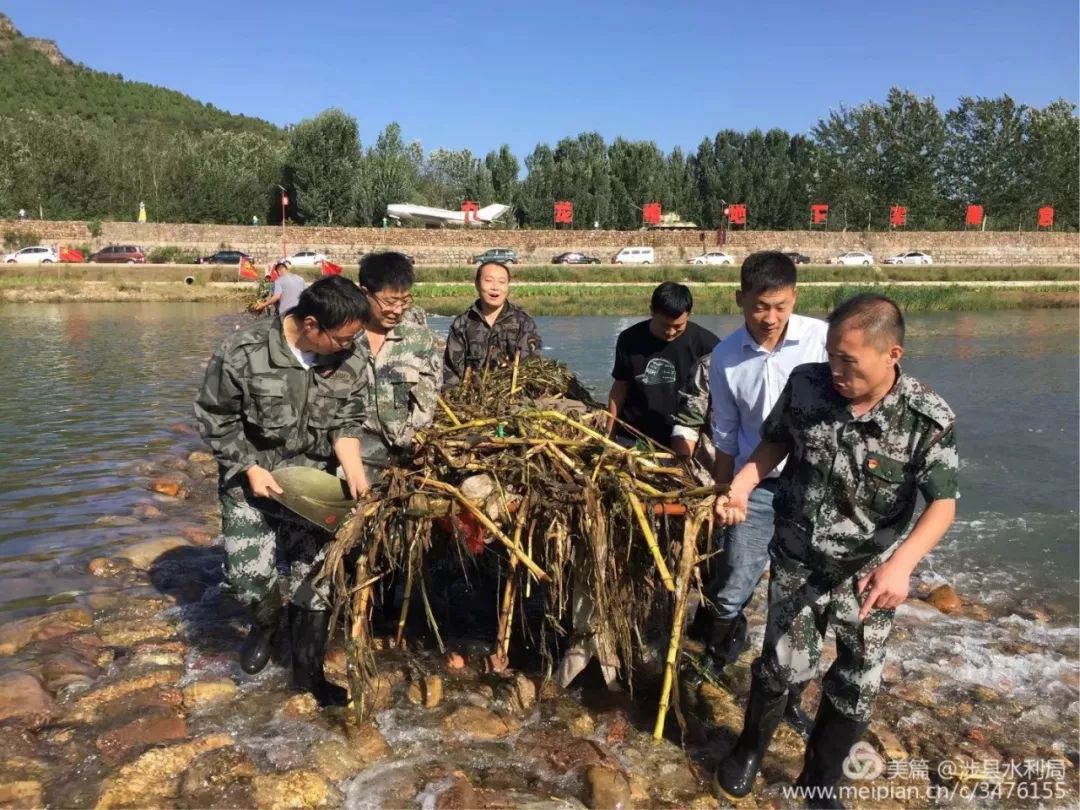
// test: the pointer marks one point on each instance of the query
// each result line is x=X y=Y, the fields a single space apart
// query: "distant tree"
x=323 y=167
x=392 y=168
x=1052 y=155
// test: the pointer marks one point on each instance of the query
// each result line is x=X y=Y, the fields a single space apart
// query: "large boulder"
x=478 y=723
x=154 y=778
x=142 y=554
x=17 y=634
x=24 y=699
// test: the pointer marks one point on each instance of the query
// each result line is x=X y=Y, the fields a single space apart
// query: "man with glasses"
x=402 y=365
x=283 y=392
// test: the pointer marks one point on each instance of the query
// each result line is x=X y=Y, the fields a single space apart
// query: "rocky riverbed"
x=127 y=694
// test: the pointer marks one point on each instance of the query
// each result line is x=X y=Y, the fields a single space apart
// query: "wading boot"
x=309 y=630
x=259 y=644
x=830 y=742
x=794 y=715
x=735 y=774
x=726 y=641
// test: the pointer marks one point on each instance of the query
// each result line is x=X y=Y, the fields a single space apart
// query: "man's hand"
x=357 y=481
x=888 y=587
x=682 y=447
x=731 y=508
x=262 y=482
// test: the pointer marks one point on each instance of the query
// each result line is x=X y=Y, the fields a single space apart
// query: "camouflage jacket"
x=258 y=405
x=693 y=414
x=848 y=490
x=471 y=343
x=403 y=386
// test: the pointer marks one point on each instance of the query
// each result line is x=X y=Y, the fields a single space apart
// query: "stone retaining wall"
x=455 y=246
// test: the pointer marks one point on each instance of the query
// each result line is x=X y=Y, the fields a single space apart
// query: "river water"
x=92 y=389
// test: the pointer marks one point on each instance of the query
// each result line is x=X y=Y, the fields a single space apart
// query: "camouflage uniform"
x=471 y=343
x=694 y=417
x=259 y=406
x=400 y=398
x=846 y=496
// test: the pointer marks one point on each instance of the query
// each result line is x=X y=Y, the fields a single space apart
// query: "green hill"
x=36 y=77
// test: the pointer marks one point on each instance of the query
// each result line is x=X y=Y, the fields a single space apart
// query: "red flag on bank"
x=330 y=269
x=71 y=255
x=248 y=270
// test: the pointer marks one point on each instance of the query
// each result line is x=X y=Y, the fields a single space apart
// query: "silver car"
x=911 y=257
x=39 y=254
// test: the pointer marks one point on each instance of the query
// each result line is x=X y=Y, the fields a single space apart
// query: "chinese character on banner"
x=974 y=215
x=898 y=216
x=650 y=213
x=1046 y=217
x=469 y=208
x=819 y=213
x=736 y=214
x=564 y=212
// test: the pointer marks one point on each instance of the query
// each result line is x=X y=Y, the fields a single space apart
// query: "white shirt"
x=745 y=381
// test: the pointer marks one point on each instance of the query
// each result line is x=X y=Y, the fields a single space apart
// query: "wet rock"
x=142 y=554
x=581 y=724
x=91 y=705
x=380 y=693
x=103 y=601
x=519 y=692
x=147 y=511
x=427 y=692
x=367 y=743
x=197 y=536
x=154 y=776
x=118 y=744
x=128 y=633
x=200 y=457
x=945 y=599
x=219 y=778
x=985 y=694
x=22 y=794
x=207 y=692
x=294 y=789
x=108 y=567
x=980 y=613
x=335 y=760
x=460 y=795
x=63 y=669
x=606 y=788
x=299 y=707
x=173 y=485
x=553 y=753
x=472 y=721
x=17 y=634
x=23 y=699
x=887 y=742
x=455 y=661
x=979 y=736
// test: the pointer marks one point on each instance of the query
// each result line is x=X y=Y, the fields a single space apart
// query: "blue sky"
x=479 y=74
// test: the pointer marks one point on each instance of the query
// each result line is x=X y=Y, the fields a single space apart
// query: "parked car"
x=911 y=257
x=119 y=254
x=305 y=258
x=574 y=258
x=795 y=256
x=853 y=257
x=224 y=257
x=635 y=255
x=502 y=255
x=713 y=257
x=38 y=254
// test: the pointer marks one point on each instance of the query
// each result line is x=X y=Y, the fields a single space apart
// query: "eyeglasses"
x=340 y=342
x=396 y=303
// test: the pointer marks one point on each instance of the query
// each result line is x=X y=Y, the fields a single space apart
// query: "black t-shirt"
x=656 y=371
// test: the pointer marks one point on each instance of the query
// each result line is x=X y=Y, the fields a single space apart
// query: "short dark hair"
x=332 y=301
x=672 y=299
x=878 y=316
x=386 y=271
x=766 y=270
x=480 y=269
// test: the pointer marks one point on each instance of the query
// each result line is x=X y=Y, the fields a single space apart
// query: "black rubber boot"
x=794 y=715
x=726 y=641
x=830 y=742
x=310 y=630
x=735 y=774
x=259 y=645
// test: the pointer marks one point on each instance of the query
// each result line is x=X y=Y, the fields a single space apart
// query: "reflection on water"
x=91 y=389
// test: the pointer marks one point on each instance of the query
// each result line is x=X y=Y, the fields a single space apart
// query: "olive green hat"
x=315 y=495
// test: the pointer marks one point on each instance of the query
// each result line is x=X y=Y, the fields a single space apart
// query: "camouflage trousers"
x=258 y=542
x=802 y=606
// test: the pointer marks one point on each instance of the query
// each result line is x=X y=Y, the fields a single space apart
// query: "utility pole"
x=284 y=204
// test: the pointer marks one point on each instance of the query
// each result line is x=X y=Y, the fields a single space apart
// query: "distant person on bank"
x=653 y=363
x=287 y=288
x=404 y=369
x=492 y=331
x=285 y=392
x=860 y=440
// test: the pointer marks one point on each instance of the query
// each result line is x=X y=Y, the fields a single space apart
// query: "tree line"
x=1006 y=156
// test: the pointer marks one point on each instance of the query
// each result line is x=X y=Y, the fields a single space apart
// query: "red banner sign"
x=650 y=213
x=736 y=213
x=819 y=213
x=469 y=209
x=898 y=216
x=564 y=212
x=1046 y=216
x=974 y=215
x=70 y=255
x=248 y=270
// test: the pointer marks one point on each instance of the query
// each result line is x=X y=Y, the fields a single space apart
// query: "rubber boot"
x=830 y=742
x=794 y=715
x=309 y=630
x=726 y=641
x=735 y=774
x=259 y=645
